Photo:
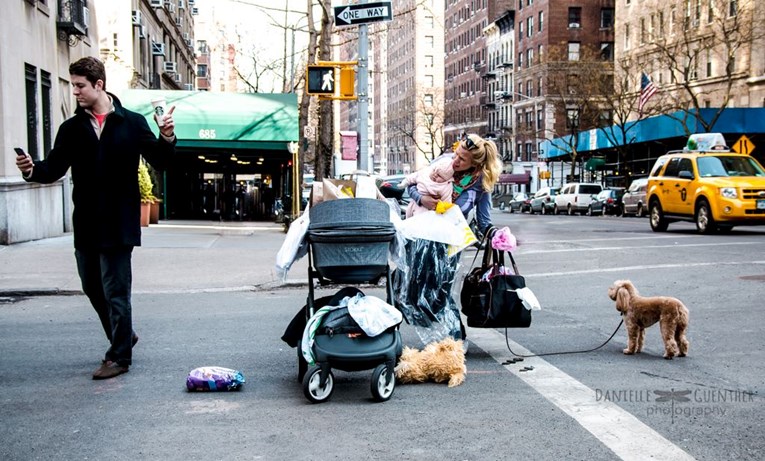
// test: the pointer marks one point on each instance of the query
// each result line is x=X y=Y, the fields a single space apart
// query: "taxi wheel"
x=705 y=223
x=658 y=223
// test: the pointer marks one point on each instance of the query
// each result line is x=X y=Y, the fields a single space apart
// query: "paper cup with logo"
x=159 y=105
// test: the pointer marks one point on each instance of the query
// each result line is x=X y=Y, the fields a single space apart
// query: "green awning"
x=595 y=163
x=223 y=120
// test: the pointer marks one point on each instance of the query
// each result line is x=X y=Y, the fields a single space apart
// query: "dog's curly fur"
x=440 y=361
x=642 y=312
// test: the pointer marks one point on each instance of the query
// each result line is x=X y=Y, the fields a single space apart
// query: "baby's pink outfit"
x=441 y=191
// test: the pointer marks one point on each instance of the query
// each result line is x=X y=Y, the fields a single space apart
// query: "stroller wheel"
x=382 y=384
x=312 y=385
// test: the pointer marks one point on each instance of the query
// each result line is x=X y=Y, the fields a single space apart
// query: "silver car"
x=544 y=200
x=634 y=199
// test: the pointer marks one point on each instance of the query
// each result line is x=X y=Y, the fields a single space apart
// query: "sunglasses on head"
x=469 y=144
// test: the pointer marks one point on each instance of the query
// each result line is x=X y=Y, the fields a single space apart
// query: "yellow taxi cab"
x=707 y=184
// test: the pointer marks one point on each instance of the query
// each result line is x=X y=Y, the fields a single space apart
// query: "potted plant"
x=147 y=197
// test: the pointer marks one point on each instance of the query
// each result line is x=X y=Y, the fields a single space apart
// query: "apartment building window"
x=429 y=41
x=732 y=8
x=30 y=83
x=661 y=23
x=642 y=31
x=541 y=21
x=520 y=30
x=428 y=61
x=540 y=118
x=429 y=21
x=731 y=68
x=529 y=26
x=540 y=52
x=605 y=119
x=607 y=51
x=652 y=28
x=709 y=63
x=429 y=81
x=606 y=18
x=202 y=70
x=573 y=51
x=672 y=21
x=530 y=57
x=539 y=86
x=626 y=36
x=47 y=121
x=574 y=17
x=529 y=89
x=529 y=151
x=520 y=59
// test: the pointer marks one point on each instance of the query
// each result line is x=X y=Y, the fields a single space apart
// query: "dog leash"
x=507 y=341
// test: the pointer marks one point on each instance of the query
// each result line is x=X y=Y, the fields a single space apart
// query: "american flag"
x=647 y=89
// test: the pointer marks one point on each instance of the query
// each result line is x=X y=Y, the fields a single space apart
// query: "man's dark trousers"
x=106 y=278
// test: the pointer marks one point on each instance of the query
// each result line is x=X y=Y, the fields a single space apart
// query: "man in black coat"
x=102 y=144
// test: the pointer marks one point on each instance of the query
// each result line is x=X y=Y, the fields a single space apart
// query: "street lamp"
x=292 y=148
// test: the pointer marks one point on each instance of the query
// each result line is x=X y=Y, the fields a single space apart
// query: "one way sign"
x=351 y=15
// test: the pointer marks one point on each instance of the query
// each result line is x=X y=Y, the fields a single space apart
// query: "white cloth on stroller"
x=373 y=314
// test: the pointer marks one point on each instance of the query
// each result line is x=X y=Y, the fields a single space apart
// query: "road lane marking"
x=642 y=247
x=617 y=429
x=641 y=268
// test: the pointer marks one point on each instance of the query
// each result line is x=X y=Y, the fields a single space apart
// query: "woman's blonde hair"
x=485 y=155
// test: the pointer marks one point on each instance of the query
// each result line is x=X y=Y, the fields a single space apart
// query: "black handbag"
x=494 y=303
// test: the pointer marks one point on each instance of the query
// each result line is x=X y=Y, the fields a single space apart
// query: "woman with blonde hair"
x=424 y=286
x=476 y=168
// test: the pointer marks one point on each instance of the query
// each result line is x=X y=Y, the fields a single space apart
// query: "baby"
x=435 y=181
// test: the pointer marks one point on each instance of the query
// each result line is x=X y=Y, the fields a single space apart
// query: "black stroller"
x=348 y=242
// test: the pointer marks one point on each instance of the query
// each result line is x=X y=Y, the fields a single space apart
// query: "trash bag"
x=214 y=379
x=423 y=290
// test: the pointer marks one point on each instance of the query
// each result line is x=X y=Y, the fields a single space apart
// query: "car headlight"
x=728 y=192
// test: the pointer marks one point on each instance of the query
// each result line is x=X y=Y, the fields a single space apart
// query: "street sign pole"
x=363 y=81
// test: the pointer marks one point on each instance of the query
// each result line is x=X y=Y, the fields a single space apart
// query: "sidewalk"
x=182 y=256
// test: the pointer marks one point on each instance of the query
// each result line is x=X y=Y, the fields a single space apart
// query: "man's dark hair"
x=90 y=68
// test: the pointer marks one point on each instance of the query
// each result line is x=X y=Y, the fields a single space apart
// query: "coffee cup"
x=159 y=105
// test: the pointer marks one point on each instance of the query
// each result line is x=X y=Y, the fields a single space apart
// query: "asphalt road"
x=600 y=405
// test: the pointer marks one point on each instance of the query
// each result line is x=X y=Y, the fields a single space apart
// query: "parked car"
x=521 y=202
x=608 y=201
x=544 y=200
x=575 y=197
x=634 y=199
x=706 y=184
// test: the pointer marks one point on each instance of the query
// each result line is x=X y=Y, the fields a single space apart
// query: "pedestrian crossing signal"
x=321 y=80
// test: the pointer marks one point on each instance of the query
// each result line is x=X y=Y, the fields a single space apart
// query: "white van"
x=575 y=197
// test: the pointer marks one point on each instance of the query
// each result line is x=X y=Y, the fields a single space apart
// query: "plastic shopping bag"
x=294 y=246
x=449 y=227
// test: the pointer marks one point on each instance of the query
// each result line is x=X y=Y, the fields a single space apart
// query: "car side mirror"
x=685 y=174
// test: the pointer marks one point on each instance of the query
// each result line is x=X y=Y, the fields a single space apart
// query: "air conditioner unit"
x=188 y=86
x=463 y=95
x=141 y=32
x=194 y=11
x=170 y=7
x=191 y=2
x=155 y=3
x=190 y=43
x=181 y=4
x=186 y=36
x=171 y=67
x=157 y=49
x=179 y=21
x=137 y=19
x=178 y=78
x=574 y=25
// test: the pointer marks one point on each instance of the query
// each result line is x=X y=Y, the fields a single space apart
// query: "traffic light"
x=321 y=80
x=347 y=82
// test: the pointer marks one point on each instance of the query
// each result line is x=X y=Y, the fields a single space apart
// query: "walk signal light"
x=320 y=80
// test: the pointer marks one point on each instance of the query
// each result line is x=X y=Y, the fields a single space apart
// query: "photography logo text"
x=679 y=403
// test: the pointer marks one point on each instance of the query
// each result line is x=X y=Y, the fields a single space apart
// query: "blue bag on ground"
x=214 y=379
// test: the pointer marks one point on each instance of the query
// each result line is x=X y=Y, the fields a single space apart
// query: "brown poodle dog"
x=640 y=313
x=440 y=362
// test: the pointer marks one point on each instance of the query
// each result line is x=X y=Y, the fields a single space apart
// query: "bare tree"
x=576 y=84
x=424 y=126
x=723 y=34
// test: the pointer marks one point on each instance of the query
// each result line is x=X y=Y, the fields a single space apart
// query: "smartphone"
x=19 y=151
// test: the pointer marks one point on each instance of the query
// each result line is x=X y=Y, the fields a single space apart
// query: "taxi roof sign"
x=706 y=142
